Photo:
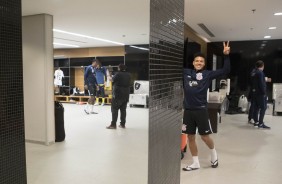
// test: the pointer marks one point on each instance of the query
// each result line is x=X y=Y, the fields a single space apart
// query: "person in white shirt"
x=58 y=77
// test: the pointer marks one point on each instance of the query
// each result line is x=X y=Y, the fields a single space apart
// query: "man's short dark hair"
x=122 y=67
x=259 y=64
x=199 y=54
x=97 y=61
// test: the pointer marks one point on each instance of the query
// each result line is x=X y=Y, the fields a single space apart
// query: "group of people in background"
x=196 y=83
x=95 y=77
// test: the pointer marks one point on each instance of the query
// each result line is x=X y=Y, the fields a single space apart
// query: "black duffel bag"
x=59 y=122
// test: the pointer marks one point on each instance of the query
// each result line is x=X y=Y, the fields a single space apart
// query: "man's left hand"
x=226 y=48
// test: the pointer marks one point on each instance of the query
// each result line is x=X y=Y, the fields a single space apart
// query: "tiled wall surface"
x=165 y=102
x=12 y=143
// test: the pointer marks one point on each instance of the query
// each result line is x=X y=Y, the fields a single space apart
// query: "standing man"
x=90 y=84
x=251 y=114
x=101 y=76
x=196 y=84
x=121 y=84
x=259 y=95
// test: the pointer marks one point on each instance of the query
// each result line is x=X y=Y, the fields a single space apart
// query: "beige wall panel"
x=38 y=78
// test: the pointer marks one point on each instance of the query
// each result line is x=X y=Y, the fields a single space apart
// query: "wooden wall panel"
x=108 y=51
x=90 y=52
x=79 y=78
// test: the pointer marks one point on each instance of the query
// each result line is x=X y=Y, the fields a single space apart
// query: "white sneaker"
x=102 y=104
x=96 y=104
x=191 y=167
x=251 y=121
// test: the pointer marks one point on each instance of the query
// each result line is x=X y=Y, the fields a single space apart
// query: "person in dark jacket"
x=90 y=84
x=250 y=99
x=121 y=84
x=259 y=95
x=196 y=84
x=251 y=114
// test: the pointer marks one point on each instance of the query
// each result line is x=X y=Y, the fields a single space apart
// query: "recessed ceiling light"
x=62 y=44
x=267 y=36
x=85 y=36
x=59 y=56
x=279 y=13
x=272 y=28
x=141 y=48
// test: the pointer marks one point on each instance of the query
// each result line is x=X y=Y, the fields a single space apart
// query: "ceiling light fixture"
x=267 y=36
x=272 y=28
x=141 y=48
x=59 y=56
x=279 y=13
x=85 y=36
x=62 y=44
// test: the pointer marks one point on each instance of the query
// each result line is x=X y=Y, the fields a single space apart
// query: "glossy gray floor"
x=246 y=155
x=92 y=154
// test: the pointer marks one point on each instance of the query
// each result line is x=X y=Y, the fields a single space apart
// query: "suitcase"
x=59 y=122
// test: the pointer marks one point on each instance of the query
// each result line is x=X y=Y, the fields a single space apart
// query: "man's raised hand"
x=226 y=48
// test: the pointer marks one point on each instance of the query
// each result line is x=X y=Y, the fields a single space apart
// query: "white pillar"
x=37 y=35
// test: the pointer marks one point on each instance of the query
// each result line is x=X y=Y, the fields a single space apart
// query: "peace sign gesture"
x=226 y=48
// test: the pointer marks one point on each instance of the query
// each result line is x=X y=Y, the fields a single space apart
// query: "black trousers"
x=260 y=105
x=251 y=110
x=117 y=105
x=101 y=92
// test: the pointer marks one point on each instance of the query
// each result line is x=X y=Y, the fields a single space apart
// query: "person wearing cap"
x=196 y=84
x=121 y=88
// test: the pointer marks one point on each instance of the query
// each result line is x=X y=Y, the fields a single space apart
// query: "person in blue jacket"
x=101 y=76
x=90 y=84
x=196 y=84
x=259 y=95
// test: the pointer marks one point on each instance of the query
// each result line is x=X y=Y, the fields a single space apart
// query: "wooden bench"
x=80 y=99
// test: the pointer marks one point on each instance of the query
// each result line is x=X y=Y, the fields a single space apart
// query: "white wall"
x=37 y=35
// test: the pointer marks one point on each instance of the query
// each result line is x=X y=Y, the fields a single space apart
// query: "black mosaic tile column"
x=12 y=139
x=165 y=102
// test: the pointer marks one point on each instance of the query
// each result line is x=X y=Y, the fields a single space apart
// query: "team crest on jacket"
x=199 y=76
